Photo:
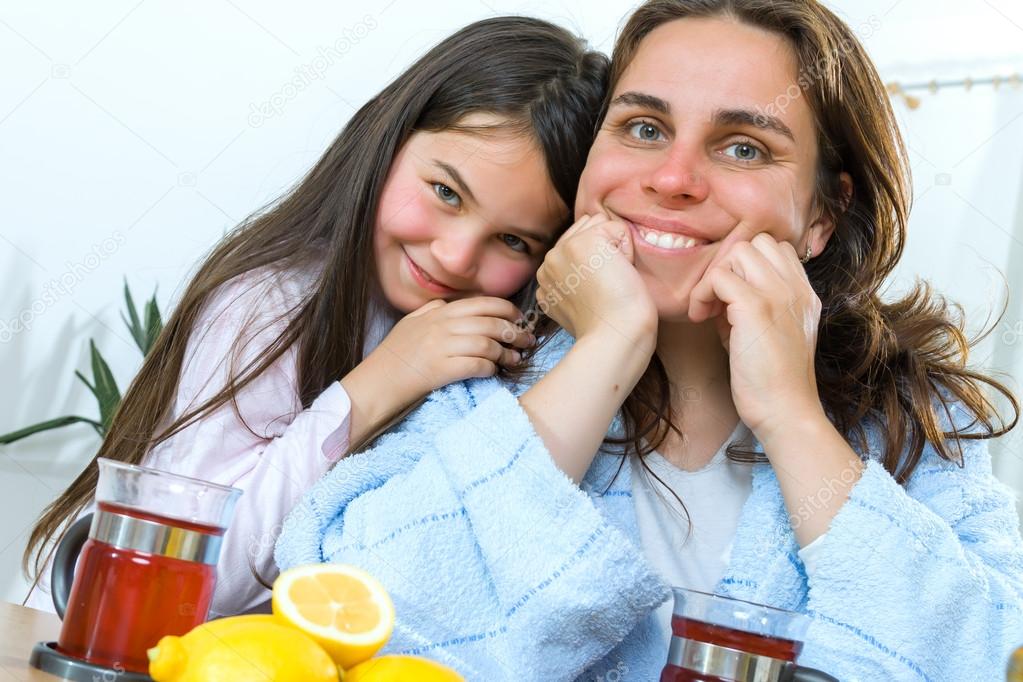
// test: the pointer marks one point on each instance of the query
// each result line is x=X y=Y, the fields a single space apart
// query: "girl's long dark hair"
x=536 y=76
x=900 y=365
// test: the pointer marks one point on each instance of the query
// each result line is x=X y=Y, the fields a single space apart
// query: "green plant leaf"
x=86 y=382
x=105 y=389
x=57 y=423
x=154 y=324
x=135 y=325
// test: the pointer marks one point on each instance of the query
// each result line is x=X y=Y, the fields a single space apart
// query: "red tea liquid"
x=123 y=601
x=761 y=645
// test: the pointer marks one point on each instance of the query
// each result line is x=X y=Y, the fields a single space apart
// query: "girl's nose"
x=458 y=253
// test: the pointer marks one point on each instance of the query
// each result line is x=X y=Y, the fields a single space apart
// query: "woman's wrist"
x=800 y=425
x=626 y=356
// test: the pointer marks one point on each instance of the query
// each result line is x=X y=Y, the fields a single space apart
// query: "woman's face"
x=464 y=215
x=703 y=145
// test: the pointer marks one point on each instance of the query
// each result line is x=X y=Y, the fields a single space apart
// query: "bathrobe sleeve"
x=498 y=564
x=923 y=582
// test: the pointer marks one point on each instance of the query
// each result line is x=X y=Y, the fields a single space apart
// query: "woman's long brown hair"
x=536 y=76
x=900 y=365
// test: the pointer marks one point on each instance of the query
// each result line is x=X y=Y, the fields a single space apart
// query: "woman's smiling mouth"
x=665 y=236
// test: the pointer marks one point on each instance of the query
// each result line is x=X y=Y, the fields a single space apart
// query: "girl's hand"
x=767 y=315
x=438 y=344
x=589 y=285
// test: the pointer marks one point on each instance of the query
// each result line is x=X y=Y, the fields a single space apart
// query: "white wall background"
x=128 y=145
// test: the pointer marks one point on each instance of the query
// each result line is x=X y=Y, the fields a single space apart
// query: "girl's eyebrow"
x=457 y=178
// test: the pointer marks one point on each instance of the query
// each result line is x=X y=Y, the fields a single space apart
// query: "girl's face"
x=464 y=215
x=704 y=145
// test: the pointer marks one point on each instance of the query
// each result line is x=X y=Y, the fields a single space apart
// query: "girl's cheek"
x=506 y=278
x=406 y=214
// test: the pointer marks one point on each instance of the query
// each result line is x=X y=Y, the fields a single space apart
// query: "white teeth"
x=666 y=240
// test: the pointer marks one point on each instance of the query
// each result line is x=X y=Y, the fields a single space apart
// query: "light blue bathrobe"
x=503 y=568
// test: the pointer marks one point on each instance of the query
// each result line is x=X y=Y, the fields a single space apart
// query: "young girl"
x=436 y=202
x=744 y=200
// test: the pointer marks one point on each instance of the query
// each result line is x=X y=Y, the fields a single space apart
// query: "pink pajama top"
x=267 y=444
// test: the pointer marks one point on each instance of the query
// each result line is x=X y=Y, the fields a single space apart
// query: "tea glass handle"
x=63 y=572
x=799 y=673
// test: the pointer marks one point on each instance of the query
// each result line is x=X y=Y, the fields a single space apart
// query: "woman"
x=743 y=202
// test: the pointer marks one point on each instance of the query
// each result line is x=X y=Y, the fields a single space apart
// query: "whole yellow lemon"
x=241 y=648
x=393 y=668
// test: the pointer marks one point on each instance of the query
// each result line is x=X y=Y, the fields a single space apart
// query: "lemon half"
x=343 y=608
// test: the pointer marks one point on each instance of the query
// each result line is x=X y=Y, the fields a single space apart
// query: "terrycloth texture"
x=502 y=568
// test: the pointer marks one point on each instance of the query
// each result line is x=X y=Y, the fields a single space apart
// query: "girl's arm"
x=436 y=345
x=263 y=442
x=496 y=561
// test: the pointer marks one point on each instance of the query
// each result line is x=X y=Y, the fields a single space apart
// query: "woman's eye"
x=515 y=243
x=447 y=195
x=745 y=152
x=646 y=131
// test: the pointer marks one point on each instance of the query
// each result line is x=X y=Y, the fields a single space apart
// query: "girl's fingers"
x=496 y=328
x=485 y=306
x=479 y=347
x=510 y=358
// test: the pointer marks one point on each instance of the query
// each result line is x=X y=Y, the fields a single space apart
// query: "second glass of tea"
x=720 y=639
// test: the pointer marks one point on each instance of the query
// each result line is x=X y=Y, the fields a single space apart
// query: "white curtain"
x=966 y=228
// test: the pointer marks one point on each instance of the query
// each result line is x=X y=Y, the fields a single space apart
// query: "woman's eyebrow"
x=457 y=178
x=641 y=99
x=750 y=117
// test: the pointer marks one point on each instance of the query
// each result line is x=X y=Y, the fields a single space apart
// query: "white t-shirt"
x=714 y=497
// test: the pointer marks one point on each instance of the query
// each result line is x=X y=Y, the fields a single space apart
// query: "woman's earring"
x=809 y=254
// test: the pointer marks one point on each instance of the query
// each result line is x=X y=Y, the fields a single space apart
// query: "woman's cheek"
x=758 y=202
x=603 y=173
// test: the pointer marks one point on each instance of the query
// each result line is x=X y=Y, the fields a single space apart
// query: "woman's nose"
x=458 y=253
x=677 y=176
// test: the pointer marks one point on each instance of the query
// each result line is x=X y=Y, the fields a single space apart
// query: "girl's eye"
x=746 y=152
x=447 y=195
x=515 y=243
x=645 y=131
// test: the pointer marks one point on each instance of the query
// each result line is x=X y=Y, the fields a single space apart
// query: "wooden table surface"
x=20 y=628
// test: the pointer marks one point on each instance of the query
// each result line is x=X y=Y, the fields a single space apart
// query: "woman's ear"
x=822 y=229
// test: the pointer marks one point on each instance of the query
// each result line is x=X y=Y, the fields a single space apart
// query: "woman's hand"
x=431 y=347
x=589 y=285
x=767 y=315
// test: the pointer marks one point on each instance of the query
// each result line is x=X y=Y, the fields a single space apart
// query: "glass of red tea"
x=720 y=639
x=146 y=564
